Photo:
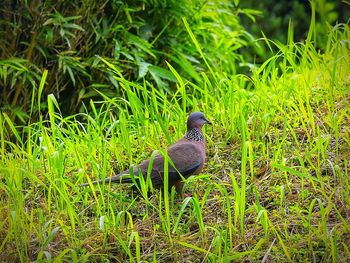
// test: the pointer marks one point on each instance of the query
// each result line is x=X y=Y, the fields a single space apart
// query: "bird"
x=187 y=157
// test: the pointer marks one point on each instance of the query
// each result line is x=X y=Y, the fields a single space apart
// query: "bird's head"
x=196 y=120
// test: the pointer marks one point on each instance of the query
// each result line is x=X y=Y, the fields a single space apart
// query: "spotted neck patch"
x=194 y=135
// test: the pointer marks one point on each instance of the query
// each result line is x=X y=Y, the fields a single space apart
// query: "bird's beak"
x=208 y=121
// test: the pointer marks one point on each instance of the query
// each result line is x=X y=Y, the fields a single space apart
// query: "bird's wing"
x=186 y=159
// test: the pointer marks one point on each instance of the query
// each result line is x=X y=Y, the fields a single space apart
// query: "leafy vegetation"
x=275 y=188
x=274 y=18
x=68 y=40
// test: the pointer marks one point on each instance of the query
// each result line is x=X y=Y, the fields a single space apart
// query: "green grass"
x=275 y=188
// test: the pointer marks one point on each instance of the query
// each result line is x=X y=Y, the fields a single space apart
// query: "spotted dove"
x=187 y=157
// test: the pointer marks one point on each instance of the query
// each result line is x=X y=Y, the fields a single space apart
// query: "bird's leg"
x=179 y=187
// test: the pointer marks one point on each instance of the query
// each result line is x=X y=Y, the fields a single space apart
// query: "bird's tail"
x=123 y=178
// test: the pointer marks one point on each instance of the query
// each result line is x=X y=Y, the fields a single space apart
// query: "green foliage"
x=276 y=184
x=276 y=16
x=137 y=37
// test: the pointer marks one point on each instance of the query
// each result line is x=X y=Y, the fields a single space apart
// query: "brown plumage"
x=187 y=156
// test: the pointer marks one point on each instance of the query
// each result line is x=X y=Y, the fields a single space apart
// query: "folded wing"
x=186 y=159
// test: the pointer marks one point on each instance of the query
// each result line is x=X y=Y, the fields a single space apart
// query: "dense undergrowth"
x=275 y=188
x=68 y=38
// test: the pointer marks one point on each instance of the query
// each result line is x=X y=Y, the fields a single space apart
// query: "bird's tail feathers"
x=124 y=177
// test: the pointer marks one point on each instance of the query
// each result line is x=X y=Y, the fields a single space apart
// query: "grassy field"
x=276 y=186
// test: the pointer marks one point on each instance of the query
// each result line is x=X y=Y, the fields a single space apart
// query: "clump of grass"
x=276 y=185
